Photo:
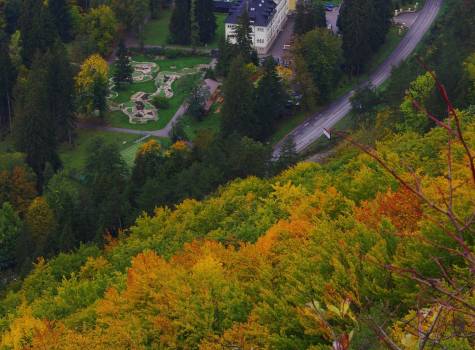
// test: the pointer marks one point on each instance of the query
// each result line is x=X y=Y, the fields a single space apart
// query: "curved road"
x=312 y=129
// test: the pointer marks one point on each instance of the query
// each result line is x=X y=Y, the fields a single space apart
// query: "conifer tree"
x=308 y=16
x=238 y=108
x=205 y=19
x=355 y=25
x=35 y=130
x=38 y=30
x=60 y=12
x=60 y=88
x=244 y=38
x=123 y=68
x=180 y=23
x=380 y=23
x=270 y=99
x=227 y=52
x=7 y=80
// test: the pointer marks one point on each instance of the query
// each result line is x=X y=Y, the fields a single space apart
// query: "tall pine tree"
x=180 y=23
x=123 y=68
x=35 y=132
x=355 y=24
x=309 y=14
x=238 y=108
x=206 y=20
x=61 y=13
x=38 y=30
x=270 y=99
x=60 y=87
x=7 y=80
x=244 y=38
x=380 y=23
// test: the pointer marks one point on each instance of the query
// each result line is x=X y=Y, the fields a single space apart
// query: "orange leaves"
x=402 y=208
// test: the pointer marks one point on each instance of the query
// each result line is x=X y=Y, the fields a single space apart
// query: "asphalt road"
x=312 y=129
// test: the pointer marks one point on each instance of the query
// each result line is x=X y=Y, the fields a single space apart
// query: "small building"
x=213 y=88
x=267 y=19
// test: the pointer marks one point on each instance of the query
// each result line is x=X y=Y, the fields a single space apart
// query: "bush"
x=161 y=102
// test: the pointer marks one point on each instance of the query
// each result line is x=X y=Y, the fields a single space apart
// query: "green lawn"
x=192 y=127
x=74 y=157
x=156 y=31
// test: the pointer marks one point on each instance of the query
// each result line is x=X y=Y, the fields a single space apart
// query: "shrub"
x=161 y=102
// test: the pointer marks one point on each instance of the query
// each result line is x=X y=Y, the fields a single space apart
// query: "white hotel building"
x=267 y=19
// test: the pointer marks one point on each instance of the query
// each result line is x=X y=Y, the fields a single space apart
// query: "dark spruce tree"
x=205 y=19
x=7 y=80
x=60 y=88
x=180 y=23
x=35 y=131
x=380 y=23
x=227 y=52
x=308 y=16
x=38 y=31
x=238 y=108
x=270 y=100
x=123 y=68
x=244 y=38
x=355 y=25
x=61 y=13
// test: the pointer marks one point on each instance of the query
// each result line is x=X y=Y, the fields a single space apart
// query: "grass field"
x=192 y=127
x=74 y=157
x=156 y=31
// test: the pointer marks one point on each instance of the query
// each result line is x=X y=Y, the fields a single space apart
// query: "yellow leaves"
x=151 y=146
x=244 y=336
x=93 y=68
x=40 y=221
x=93 y=266
x=284 y=73
x=23 y=330
x=180 y=146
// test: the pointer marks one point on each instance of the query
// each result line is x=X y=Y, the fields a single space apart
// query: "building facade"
x=267 y=19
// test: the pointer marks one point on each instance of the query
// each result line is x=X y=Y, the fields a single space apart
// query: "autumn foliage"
x=321 y=256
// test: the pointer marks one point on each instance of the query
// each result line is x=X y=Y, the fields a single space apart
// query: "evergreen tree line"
x=192 y=22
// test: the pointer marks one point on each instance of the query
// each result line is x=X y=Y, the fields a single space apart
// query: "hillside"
x=293 y=262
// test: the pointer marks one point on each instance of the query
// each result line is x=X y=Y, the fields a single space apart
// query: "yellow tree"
x=40 y=223
x=92 y=85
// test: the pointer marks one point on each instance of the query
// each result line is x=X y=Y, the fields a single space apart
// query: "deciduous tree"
x=92 y=85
